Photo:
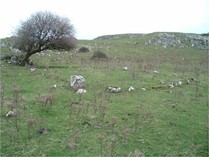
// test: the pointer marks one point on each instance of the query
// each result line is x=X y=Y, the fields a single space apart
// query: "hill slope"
x=165 y=115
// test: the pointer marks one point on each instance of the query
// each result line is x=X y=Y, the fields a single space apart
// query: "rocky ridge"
x=165 y=39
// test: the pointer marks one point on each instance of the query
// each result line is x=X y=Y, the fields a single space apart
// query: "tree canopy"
x=42 y=31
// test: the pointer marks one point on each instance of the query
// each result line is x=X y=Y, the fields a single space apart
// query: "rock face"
x=166 y=39
x=77 y=82
x=198 y=41
x=170 y=39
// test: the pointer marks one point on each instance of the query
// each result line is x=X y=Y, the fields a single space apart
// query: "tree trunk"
x=25 y=59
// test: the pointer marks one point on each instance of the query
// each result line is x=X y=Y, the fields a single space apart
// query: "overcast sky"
x=93 y=18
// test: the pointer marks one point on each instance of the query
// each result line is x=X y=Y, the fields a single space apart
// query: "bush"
x=14 y=59
x=99 y=55
x=83 y=49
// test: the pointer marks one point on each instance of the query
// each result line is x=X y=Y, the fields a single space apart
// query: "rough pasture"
x=152 y=120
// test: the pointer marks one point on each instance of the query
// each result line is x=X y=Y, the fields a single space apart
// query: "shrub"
x=83 y=49
x=14 y=59
x=99 y=55
x=44 y=31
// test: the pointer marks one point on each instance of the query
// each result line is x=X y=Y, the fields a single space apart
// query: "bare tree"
x=42 y=31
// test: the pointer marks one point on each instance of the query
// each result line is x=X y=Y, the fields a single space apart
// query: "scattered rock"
x=156 y=72
x=2 y=44
x=77 y=82
x=13 y=60
x=54 y=86
x=11 y=113
x=165 y=40
x=125 y=68
x=162 y=82
x=81 y=91
x=171 y=85
x=43 y=131
x=197 y=41
x=113 y=89
x=188 y=82
x=32 y=70
x=144 y=89
x=131 y=89
x=180 y=40
x=177 y=84
x=14 y=50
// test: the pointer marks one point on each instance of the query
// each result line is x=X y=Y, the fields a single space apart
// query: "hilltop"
x=164 y=39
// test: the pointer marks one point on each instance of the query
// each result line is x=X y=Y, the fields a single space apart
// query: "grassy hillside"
x=152 y=120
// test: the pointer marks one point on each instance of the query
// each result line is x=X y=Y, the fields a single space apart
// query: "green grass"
x=165 y=122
